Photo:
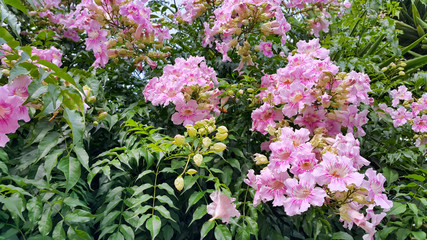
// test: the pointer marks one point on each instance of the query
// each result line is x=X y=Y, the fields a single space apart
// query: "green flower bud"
x=222 y=129
x=198 y=159
x=207 y=142
x=179 y=183
x=219 y=147
x=221 y=136
x=179 y=140
x=192 y=132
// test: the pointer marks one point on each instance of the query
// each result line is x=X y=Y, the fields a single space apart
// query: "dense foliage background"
x=103 y=166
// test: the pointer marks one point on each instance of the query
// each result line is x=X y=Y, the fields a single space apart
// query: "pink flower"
x=223 y=49
x=337 y=173
x=271 y=186
x=303 y=162
x=3 y=139
x=400 y=116
x=400 y=94
x=187 y=113
x=9 y=111
x=420 y=124
x=312 y=118
x=264 y=116
x=265 y=47
x=375 y=187
x=302 y=194
x=72 y=34
x=222 y=207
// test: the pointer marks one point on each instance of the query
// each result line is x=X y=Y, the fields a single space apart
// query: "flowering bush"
x=257 y=119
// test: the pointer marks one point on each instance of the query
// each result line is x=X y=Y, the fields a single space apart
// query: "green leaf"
x=397 y=209
x=45 y=223
x=107 y=230
x=165 y=213
x=70 y=166
x=413 y=207
x=16 y=4
x=194 y=198
x=77 y=124
x=402 y=233
x=207 y=226
x=166 y=187
x=390 y=175
x=242 y=234
x=116 y=236
x=416 y=177
x=50 y=161
x=127 y=232
x=13 y=204
x=47 y=143
x=222 y=233
x=60 y=73
x=5 y=35
x=342 y=235
x=58 y=232
x=75 y=234
x=109 y=219
x=82 y=156
x=199 y=213
x=153 y=224
x=79 y=216
x=16 y=71
x=167 y=200
x=419 y=235
x=35 y=209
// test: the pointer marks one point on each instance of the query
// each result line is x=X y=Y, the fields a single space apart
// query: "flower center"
x=306 y=166
x=187 y=112
x=277 y=185
x=297 y=97
x=4 y=112
x=302 y=192
x=93 y=35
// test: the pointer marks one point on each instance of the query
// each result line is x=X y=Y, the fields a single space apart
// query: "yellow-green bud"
x=198 y=159
x=206 y=142
x=401 y=73
x=219 y=147
x=91 y=99
x=222 y=129
x=230 y=92
x=179 y=183
x=250 y=90
x=384 y=69
x=241 y=92
x=260 y=159
x=179 y=140
x=192 y=132
x=221 y=136
x=101 y=116
x=392 y=65
x=191 y=171
x=95 y=123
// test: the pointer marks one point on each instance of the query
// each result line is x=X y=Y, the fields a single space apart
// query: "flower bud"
x=206 y=142
x=101 y=116
x=179 y=140
x=91 y=99
x=95 y=123
x=250 y=90
x=222 y=129
x=219 y=147
x=191 y=171
x=192 y=132
x=179 y=183
x=401 y=73
x=221 y=136
x=384 y=69
x=260 y=159
x=198 y=159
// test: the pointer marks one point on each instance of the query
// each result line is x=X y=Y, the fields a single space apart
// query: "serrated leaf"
x=222 y=233
x=206 y=228
x=153 y=224
x=70 y=166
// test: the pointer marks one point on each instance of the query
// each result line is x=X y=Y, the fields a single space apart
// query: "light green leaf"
x=107 y=230
x=194 y=198
x=77 y=124
x=127 y=232
x=79 y=216
x=397 y=209
x=17 y=4
x=50 y=161
x=82 y=156
x=390 y=175
x=153 y=224
x=342 y=235
x=207 y=226
x=70 y=166
x=199 y=213
x=45 y=223
x=419 y=235
x=164 y=212
x=58 y=232
x=13 y=204
x=47 y=143
x=77 y=234
x=167 y=200
x=222 y=233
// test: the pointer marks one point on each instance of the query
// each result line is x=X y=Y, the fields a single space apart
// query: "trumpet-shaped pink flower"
x=9 y=111
x=222 y=207
x=3 y=139
x=303 y=162
x=400 y=116
x=187 y=113
x=264 y=116
x=272 y=186
x=337 y=172
x=401 y=93
x=375 y=187
x=302 y=194
x=265 y=47
x=420 y=124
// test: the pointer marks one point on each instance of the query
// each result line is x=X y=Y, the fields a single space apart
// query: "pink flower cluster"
x=129 y=21
x=312 y=92
x=13 y=95
x=319 y=170
x=412 y=111
x=52 y=54
x=189 y=84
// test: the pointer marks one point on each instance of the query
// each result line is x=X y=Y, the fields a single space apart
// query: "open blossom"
x=400 y=116
x=264 y=116
x=420 y=124
x=375 y=187
x=337 y=172
x=188 y=113
x=222 y=207
x=401 y=93
x=302 y=194
x=265 y=47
